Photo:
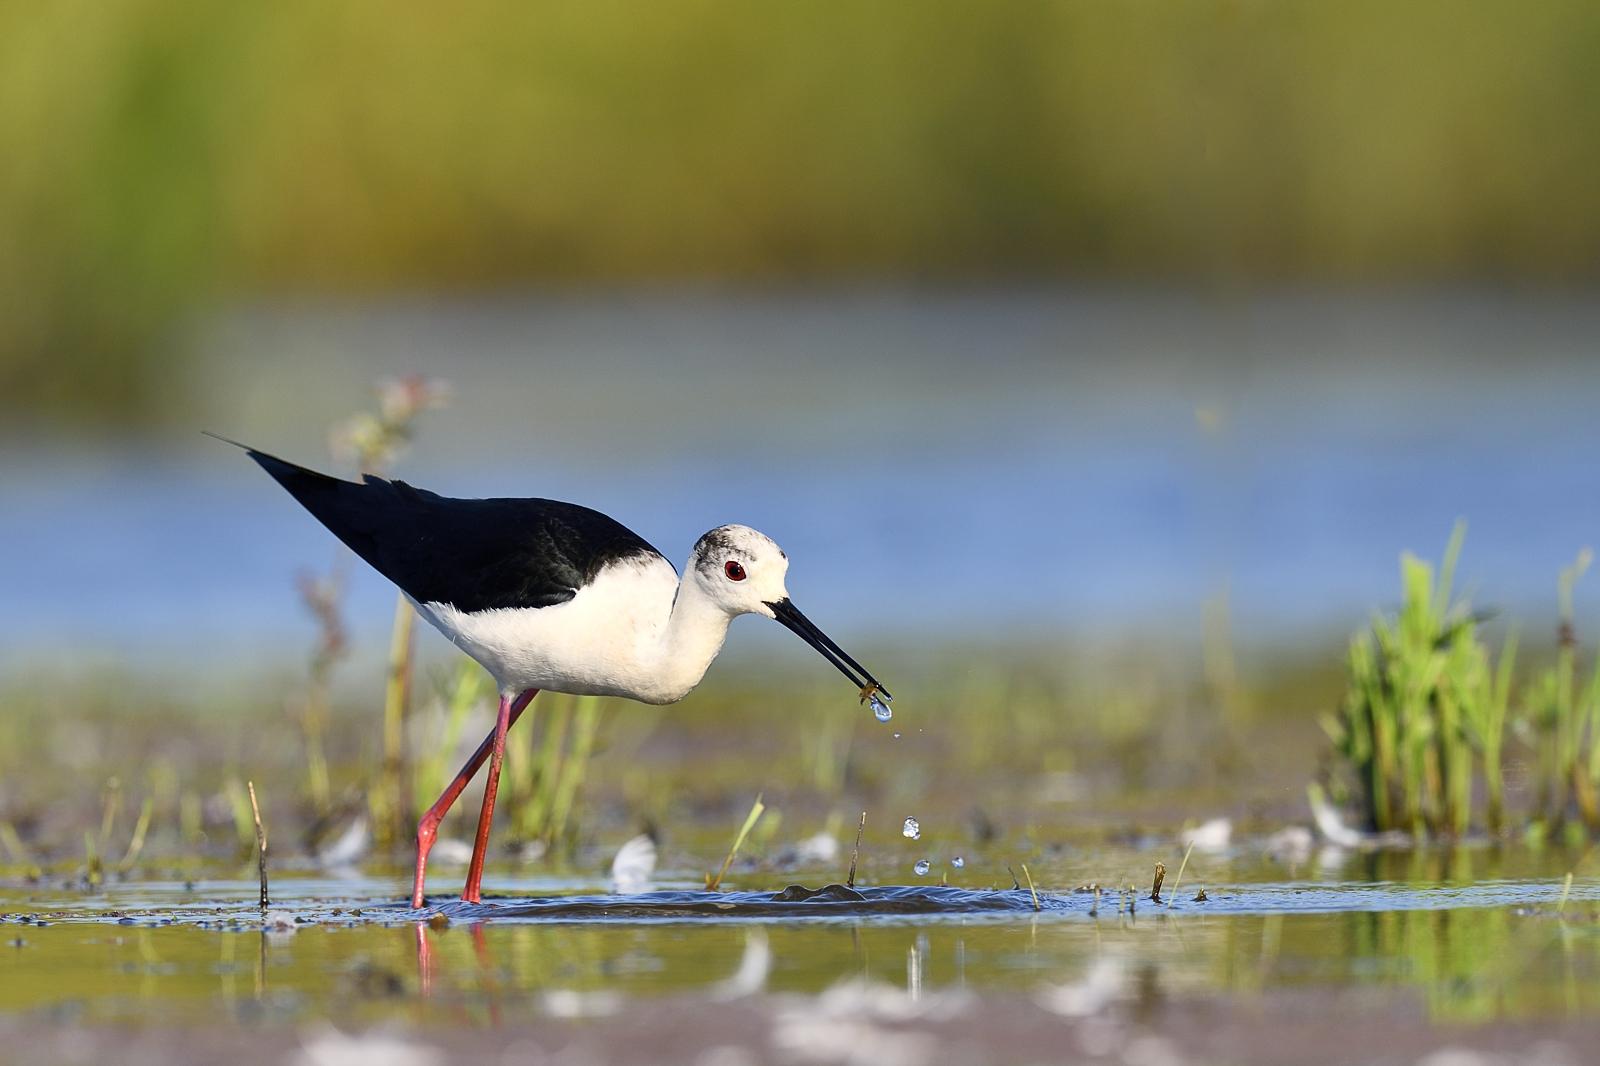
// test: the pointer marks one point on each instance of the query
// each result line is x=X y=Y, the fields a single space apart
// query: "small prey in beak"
x=871 y=691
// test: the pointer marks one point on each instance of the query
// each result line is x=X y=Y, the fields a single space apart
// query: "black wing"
x=474 y=554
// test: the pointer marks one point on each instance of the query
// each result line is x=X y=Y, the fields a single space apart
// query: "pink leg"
x=473 y=891
x=424 y=960
x=428 y=828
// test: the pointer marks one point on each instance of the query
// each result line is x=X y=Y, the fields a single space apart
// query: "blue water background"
x=1030 y=463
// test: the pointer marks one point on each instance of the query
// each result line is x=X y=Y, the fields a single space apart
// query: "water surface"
x=1473 y=938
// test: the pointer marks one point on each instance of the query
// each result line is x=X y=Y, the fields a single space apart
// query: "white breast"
x=605 y=641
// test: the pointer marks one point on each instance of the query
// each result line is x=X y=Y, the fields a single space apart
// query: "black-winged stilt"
x=551 y=595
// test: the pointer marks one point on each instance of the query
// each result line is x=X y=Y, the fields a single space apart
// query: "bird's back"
x=473 y=554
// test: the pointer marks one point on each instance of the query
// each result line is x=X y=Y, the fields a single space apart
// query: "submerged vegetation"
x=1421 y=735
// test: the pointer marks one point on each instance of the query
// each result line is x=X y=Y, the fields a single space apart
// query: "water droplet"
x=911 y=829
x=897 y=736
x=880 y=710
x=958 y=862
x=921 y=867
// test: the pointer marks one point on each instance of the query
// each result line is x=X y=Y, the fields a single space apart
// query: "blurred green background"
x=163 y=158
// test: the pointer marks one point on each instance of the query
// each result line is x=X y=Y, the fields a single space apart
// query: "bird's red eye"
x=734 y=571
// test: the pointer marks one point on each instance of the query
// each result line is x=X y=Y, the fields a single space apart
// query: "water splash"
x=911 y=830
x=922 y=867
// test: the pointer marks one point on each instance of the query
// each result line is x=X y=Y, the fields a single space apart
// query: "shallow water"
x=1141 y=451
x=1471 y=936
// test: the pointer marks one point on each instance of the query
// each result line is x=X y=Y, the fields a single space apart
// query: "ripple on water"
x=233 y=907
x=796 y=901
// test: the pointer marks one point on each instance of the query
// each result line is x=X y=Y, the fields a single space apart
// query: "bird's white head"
x=740 y=569
x=743 y=571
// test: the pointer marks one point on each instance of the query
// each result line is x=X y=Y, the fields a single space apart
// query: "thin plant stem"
x=855 y=852
x=574 y=767
x=714 y=883
x=140 y=828
x=396 y=704
x=261 y=843
x=1177 y=882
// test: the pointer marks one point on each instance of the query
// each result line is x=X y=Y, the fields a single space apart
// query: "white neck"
x=693 y=637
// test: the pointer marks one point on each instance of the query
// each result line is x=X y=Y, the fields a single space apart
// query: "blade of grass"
x=469 y=687
x=136 y=845
x=261 y=842
x=94 y=874
x=536 y=817
x=855 y=852
x=714 y=883
x=396 y=706
x=574 y=767
x=1177 y=882
x=111 y=804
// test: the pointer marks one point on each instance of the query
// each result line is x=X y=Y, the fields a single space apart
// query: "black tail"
x=355 y=513
x=475 y=554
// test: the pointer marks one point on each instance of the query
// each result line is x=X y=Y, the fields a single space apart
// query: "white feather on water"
x=1213 y=835
x=634 y=866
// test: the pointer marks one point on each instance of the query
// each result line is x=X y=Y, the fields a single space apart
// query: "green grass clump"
x=1428 y=711
x=542 y=781
x=467 y=687
x=1424 y=710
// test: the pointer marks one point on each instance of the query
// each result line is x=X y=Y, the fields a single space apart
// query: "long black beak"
x=787 y=613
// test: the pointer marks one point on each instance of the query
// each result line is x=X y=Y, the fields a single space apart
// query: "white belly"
x=605 y=641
